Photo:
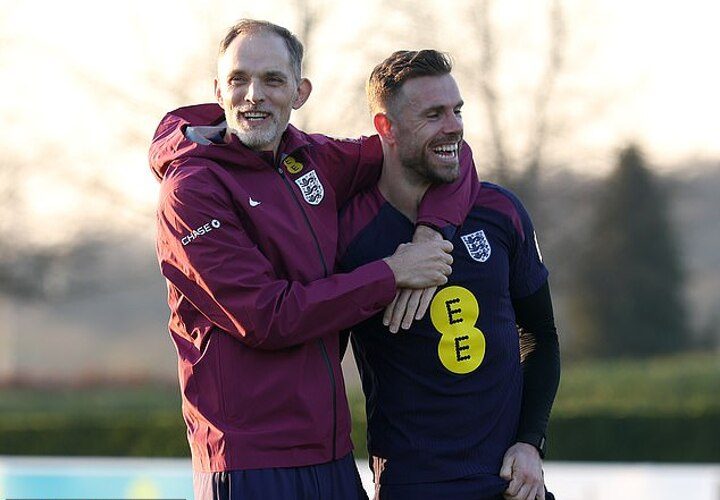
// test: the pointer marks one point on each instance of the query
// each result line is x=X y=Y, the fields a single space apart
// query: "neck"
x=401 y=187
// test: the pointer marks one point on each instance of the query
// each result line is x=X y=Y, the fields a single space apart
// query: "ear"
x=303 y=92
x=218 y=94
x=383 y=125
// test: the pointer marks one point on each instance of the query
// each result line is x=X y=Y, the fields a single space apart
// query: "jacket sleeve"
x=355 y=166
x=445 y=206
x=207 y=255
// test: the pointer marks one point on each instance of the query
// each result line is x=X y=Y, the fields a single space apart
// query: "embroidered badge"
x=477 y=245
x=292 y=165
x=311 y=187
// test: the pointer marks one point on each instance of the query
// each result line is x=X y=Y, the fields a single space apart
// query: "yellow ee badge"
x=292 y=165
x=454 y=312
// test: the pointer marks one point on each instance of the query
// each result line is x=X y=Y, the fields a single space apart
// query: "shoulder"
x=502 y=202
x=321 y=143
x=192 y=177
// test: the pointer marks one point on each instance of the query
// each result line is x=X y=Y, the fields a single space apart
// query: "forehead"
x=256 y=53
x=426 y=92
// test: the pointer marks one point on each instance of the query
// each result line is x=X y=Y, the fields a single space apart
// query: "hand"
x=421 y=265
x=425 y=233
x=411 y=304
x=407 y=306
x=522 y=466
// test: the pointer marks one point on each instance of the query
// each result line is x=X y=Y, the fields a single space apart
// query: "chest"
x=483 y=249
x=289 y=211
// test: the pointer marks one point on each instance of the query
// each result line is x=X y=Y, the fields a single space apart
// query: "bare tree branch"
x=543 y=93
x=487 y=77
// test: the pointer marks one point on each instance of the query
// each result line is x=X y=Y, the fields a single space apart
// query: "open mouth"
x=447 y=151
x=254 y=116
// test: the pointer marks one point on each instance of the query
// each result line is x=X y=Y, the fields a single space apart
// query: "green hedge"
x=665 y=410
x=659 y=438
x=159 y=435
x=662 y=438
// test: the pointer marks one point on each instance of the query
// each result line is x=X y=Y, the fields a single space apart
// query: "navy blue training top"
x=443 y=398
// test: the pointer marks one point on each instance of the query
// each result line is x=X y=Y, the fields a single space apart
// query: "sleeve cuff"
x=448 y=231
x=534 y=439
x=380 y=277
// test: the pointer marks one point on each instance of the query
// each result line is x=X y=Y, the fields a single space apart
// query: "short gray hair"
x=248 y=26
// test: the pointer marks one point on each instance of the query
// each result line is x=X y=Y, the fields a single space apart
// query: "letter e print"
x=453 y=312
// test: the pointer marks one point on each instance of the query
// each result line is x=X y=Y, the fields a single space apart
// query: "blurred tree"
x=522 y=173
x=631 y=275
x=309 y=16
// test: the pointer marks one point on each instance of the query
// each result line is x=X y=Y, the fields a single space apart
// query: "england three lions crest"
x=477 y=245
x=311 y=187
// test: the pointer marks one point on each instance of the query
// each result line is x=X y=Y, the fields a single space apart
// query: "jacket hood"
x=198 y=131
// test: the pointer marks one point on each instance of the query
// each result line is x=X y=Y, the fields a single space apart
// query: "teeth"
x=447 y=148
x=255 y=115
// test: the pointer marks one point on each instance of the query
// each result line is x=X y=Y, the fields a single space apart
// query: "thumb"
x=506 y=470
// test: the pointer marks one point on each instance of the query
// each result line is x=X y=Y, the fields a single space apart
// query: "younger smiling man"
x=451 y=411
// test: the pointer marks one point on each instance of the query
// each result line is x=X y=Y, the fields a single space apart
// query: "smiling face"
x=258 y=90
x=427 y=127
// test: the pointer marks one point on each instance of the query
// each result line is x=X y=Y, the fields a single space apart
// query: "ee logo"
x=454 y=312
x=293 y=166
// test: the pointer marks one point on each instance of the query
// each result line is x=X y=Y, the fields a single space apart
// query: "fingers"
x=425 y=299
x=447 y=261
x=399 y=312
x=407 y=306
x=524 y=492
x=446 y=271
x=389 y=310
x=523 y=487
x=425 y=233
x=527 y=492
x=540 y=495
x=513 y=489
x=506 y=469
x=411 y=309
x=523 y=467
x=446 y=258
x=421 y=265
x=446 y=246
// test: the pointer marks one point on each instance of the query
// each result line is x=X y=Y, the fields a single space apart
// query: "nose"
x=254 y=92
x=453 y=123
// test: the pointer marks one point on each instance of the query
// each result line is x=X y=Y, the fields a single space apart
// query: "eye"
x=433 y=115
x=458 y=112
x=237 y=80
x=275 y=80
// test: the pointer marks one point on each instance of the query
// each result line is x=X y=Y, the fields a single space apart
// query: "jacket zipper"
x=323 y=349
